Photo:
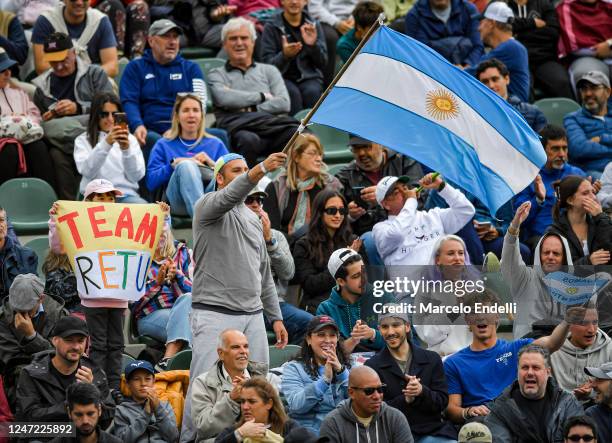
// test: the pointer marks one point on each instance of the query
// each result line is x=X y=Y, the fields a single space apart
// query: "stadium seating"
x=181 y=360
x=27 y=202
x=280 y=356
x=556 y=108
x=41 y=247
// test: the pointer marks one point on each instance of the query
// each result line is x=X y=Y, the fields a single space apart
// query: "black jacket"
x=40 y=396
x=14 y=260
x=541 y=43
x=599 y=236
x=103 y=437
x=310 y=61
x=424 y=414
x=292 y=432
x=351 y=176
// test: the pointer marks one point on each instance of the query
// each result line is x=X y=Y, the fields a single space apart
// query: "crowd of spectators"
x=98 y=101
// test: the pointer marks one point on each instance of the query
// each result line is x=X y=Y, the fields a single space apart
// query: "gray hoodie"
x=232 y=266
x=133 y=425
x=568 y=363
x=388 y=426
x=527 y=287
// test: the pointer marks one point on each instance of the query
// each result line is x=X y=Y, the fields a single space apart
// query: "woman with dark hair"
x=579 y=218
x=263 y=418
x=328 y=230
x=182 y=161
x=317 y=380
x=291 y=194
x=108 y=151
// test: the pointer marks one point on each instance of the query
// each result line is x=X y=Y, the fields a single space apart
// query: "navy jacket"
x=15 y=260
x=458 y=40
x=310 y=61
x=424 y=414
x=581 y=127
x=532 y=115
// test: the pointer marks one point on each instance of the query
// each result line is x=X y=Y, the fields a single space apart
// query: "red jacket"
x=583 y=25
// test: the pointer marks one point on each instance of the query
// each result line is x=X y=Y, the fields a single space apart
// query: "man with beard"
x=41 y=389
x=534 y=407
x=541 y=193
x=586 y=344
x=416 y=384
x=84 y=405
x=601 y=382
x=588 y=129
x=479 y=373
x=365 y=417
x=359 y=178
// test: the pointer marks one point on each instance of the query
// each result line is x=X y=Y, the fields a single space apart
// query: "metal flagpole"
x=379 y=22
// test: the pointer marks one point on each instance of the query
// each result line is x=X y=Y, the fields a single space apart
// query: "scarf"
x=301 y=214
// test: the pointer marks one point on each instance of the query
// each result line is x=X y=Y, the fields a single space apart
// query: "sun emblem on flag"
x=441 y=104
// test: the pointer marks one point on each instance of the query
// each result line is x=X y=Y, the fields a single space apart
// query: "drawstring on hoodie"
x=522 y=11
x=367 y=432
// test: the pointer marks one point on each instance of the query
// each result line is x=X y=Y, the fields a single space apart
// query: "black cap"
x=70 y=325
x=355 y=140
x=319 y=322
x=56 y=47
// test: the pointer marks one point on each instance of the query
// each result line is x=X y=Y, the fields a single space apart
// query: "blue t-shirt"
x=481 y=376
x=159 y=169
x=103 y=38
x=513 y=54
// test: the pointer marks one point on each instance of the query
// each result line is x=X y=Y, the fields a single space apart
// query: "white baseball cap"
x=338 y=258
x=386 y=184
x=101 y=186
x=499 y=12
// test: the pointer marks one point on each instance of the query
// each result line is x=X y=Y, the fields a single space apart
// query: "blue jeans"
x=433 y=439
x=128 y=198
x=295 y=319
x=185 y=188
x=169 y=325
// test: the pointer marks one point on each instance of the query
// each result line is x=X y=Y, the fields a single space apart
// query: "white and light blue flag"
x=403 y=95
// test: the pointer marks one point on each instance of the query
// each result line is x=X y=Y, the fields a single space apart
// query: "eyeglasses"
x=254 y=199
x=332 y=210
x=576 y=437
x=589 y=87
x=369 y=391
x=106 y=114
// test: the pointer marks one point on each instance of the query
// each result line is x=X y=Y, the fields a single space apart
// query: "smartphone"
x=357 y=196
x=483 y=225
x=121 y=119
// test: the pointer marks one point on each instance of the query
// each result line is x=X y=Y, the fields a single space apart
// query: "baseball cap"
x=138 y=364
x=5 y=61
x=499 y=12
x=221 y=161
x=100 y=186
x=595 y=77
x=355 y=140
x=70 y=325
x=319 y=322
x=604 y=372
x=260 y=188
x=475 y=432
x=161 y=27
x=25 y=292
x=338 y=258
x=393 y=310
x=386 y=184
x=56 y=47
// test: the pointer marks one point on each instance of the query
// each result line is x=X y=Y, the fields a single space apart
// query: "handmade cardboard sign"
x=110 y=246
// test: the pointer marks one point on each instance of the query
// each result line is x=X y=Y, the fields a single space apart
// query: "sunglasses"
x=369 y=391
x=332 y=210
x=254 y=199
x=106 y=114
x=576 y=437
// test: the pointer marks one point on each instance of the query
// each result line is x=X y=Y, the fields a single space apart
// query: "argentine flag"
x=404 y=95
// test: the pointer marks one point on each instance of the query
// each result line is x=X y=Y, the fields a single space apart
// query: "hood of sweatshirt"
x=601 y=341
x=569 y=267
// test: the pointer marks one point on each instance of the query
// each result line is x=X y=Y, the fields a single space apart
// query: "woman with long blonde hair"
x=163 y=311
x=183 y=159
x=290 y=195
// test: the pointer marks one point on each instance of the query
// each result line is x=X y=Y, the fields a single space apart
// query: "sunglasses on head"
x=576 y=437
x=332 y=210
x=254 y=199
x=369 y=391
